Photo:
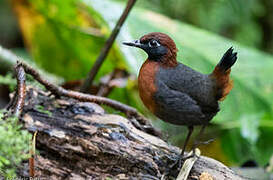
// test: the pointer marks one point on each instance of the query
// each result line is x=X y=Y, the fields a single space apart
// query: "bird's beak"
x=135 y=43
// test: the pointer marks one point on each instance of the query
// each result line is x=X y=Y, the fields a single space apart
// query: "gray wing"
x=186 y=80
x=177 y=107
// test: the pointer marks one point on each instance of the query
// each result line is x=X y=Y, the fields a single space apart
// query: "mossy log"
x=79 y=140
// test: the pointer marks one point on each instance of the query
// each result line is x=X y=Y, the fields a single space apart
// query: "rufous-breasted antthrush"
x=175 y=92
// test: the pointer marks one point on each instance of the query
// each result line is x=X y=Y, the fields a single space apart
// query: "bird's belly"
x=184 y=118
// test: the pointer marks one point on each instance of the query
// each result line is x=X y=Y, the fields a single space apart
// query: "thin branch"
x=17 y=102
x=104 y=52
x=21 y=89
x=59 y=91
x=137 y=119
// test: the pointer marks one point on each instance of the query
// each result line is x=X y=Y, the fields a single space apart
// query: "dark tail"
x=228 y=59
x=221 y=74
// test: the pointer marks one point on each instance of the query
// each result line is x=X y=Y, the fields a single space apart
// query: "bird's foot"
x=188 y=164
x=205 y=142
x=180 y=160
x=191 y=155
x=176 y=164
x=173 y=167
x=198 y=143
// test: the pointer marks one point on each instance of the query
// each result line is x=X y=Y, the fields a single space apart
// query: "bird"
x=176 y=93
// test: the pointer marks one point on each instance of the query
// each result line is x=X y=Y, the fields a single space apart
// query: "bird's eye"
x=153 y=43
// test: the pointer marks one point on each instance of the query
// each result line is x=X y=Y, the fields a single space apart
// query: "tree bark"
x=79 y=140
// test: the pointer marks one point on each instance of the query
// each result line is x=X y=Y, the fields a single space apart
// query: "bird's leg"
x=196 y=141
x=190 y=130
x=178 y=161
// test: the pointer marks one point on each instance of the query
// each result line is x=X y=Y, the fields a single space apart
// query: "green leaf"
x=4 y=161
x=63 y=34
x=8 y=80
x=249 y=127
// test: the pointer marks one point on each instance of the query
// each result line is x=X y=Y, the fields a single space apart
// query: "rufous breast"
x=146 y=83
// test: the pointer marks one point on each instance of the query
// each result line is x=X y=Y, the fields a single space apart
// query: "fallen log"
x=79 y=140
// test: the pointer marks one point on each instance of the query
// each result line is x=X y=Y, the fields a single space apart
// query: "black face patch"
x=154 y=49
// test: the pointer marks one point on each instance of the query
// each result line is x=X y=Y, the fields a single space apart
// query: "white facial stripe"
x=153 y=43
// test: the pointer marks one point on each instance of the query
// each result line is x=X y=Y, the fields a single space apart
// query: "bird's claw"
x=189 y=156
x=180 y=161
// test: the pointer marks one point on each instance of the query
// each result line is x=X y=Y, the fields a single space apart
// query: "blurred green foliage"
x=8 y=80
x=247 y=22
x=14 y=145
x=64 y=34
x=65 y=38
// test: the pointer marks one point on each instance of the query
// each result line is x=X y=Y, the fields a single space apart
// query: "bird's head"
x=159 y=47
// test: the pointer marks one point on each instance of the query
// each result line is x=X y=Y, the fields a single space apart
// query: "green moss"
x=14 y=145
x=41 y=109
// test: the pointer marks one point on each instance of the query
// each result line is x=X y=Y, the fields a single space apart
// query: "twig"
x=104 y=52
x=32 y=156
x=15 y=106
x=140 y=121
x=59 y=91
x=11 y=103
x=105 y=88
x=21 y=89
x=117 y=78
